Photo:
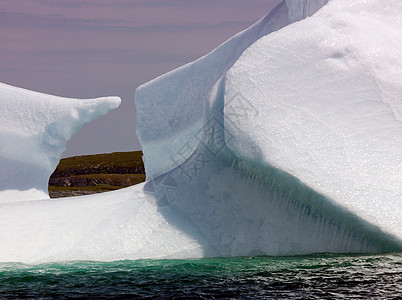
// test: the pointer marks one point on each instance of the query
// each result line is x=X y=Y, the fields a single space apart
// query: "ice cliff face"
x=34 y=129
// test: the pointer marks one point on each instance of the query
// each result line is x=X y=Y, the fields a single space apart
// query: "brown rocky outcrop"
x=83 y=175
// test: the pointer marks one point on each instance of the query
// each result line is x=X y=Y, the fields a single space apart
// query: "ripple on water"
x=297 y=277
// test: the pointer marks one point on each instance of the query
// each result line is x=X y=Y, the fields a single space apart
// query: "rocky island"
x=89 y=174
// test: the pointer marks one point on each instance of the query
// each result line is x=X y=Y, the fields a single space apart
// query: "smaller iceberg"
x=34 y=129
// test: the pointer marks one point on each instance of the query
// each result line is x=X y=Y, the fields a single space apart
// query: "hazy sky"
x=93 y=48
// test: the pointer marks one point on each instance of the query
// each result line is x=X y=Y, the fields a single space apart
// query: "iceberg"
x=305 y=120
x=284 y=140
x=34 y=129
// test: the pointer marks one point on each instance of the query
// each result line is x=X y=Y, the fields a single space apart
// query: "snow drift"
x=34 y=129
x=284 y=140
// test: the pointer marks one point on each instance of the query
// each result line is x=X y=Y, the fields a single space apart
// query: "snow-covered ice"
x=34 y=129
x=284 y=140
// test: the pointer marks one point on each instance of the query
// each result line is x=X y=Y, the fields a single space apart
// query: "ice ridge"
x=170 y=107
x=34 y=129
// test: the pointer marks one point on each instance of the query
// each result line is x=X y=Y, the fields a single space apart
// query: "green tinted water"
x=298 y=277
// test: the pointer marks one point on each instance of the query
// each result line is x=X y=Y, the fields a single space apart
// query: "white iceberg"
x=311 y=112
x=34 y=129
x=290 y=146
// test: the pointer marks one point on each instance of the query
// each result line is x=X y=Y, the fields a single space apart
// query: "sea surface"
x=323 y=276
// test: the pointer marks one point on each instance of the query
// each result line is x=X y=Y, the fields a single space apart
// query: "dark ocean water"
x=325 y=276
